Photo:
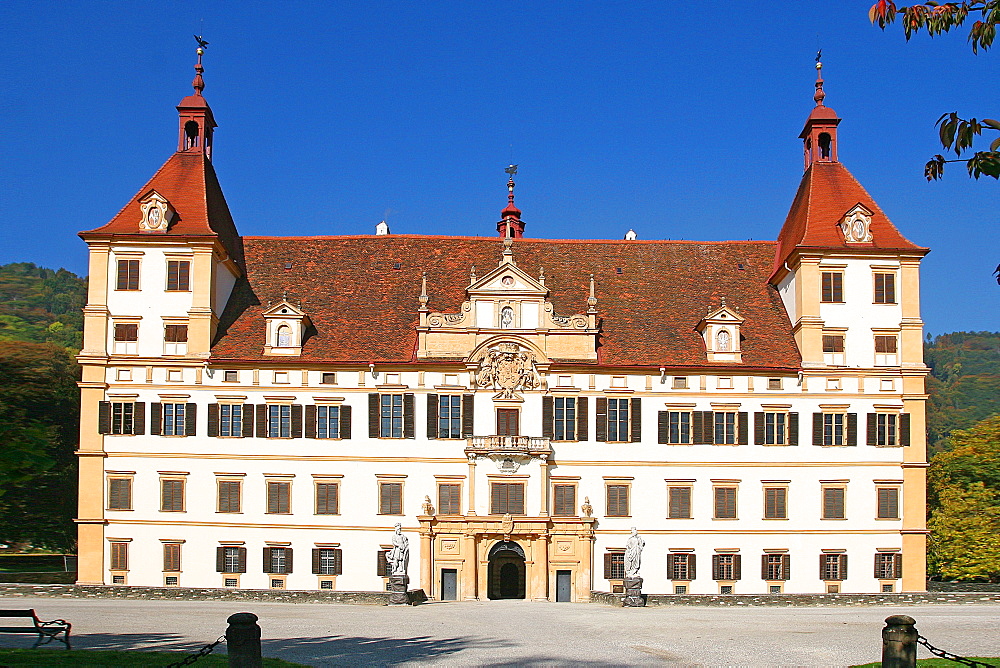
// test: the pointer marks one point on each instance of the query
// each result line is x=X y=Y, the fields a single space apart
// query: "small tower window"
x=284 y=336
x=506 y=317
x=190 y=134
x=824 y=145
x=722 y=340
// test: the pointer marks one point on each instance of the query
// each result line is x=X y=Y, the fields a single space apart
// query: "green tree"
x=965 y=535
x=956 y=134
x=39 y=416
x=964 y=486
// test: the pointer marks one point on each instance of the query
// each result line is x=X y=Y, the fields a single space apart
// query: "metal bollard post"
x=899 y=642
x=243 y=641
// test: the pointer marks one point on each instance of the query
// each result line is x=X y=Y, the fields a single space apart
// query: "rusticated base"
x=398 y=584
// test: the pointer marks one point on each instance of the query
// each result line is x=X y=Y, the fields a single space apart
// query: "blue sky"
x=679 y=120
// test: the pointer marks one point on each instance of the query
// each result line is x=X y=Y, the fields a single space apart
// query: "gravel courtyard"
x=521 y=633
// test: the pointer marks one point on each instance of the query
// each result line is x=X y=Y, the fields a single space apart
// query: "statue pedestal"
x=398 y=585
x=633 y=593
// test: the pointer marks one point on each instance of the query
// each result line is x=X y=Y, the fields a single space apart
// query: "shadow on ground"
x=338 y=650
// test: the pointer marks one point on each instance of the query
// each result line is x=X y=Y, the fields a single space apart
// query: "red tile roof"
x=826 y=193
x=364 y=310
x=188 y=181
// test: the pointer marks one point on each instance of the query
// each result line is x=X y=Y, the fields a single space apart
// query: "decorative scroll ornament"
x=508 y=368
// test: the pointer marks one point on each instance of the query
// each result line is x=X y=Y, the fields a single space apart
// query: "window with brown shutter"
x=726 y=567
x=617 y=496
x=448 y=410
x=277 y=560
x=833 y=503
x=119 y=557
x=771 y=428
x=231 y=559
x=681 y=566
x=885 y=344
x=564 y=500
x=178 y=275
x=506 y=497
x=775 y=503
x=832 y=567
x=381 y=565
x=885 y=288
x=679 y=502
x=175 y=333
x=888 y=565
x=833 y=343
x=128 y=275
x=449 y=499
x=884 y=429
x=390 y=498
x=229 y=496
x=775 y=567
x=327 y=561
x=279 y=497
x=121 y=417
x=119 y=493
x=725 y=503
x=126 y=331
x=172 y=557
x=614 y=565
x=172 y=496
x=833 y=287
x=888 y=503
x=327 y=498
x=393 y=416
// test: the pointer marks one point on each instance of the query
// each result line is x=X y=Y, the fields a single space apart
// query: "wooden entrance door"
x=507 y=423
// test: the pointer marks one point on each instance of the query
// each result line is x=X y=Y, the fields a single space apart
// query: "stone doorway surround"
x=550 y=544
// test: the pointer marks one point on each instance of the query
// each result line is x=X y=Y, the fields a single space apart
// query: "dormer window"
x=285 y=329
x=720 y=330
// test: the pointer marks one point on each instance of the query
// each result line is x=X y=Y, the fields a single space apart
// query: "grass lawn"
x=993 y=661
x=102 y=658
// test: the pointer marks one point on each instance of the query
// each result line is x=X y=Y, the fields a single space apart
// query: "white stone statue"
x=633 y=554
x=399 y=556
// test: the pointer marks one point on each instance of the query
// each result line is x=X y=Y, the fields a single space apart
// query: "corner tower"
x=849 y=281
x=161 y=271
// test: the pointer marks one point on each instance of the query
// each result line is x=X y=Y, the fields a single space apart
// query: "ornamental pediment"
x=506 y=301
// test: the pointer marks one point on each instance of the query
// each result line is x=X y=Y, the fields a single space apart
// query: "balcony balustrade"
x=528 y=445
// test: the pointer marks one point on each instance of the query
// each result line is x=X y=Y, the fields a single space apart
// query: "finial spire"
x=199 y=83
x=820 y=94
x=510 y=225
x=423 y=291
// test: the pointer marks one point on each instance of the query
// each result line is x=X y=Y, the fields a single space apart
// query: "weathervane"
x=202 y=44
x=512 y=170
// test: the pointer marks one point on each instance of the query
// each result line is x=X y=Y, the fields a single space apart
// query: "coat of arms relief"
x=508 y=368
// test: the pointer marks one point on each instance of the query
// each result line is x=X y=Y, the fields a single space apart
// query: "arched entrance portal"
x=506 y=571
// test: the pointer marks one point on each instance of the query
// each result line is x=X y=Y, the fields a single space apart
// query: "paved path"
x=522 y=633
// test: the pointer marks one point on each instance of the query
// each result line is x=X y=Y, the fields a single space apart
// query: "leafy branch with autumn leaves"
x=956 y=134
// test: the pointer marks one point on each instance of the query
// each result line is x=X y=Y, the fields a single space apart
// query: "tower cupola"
x=819 y=136
x=196 y=121
x=510 y=224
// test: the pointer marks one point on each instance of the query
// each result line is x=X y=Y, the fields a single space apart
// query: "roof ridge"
x=331 y=237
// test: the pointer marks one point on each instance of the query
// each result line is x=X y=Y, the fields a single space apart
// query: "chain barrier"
x=204 y=651
x=951 y=657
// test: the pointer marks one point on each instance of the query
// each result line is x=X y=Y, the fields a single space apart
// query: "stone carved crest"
x=507 y=526
x=508 y=368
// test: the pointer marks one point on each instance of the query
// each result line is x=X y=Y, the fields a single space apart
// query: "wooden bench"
x=46 y=631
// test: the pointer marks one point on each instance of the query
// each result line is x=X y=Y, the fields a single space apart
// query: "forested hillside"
x=40 y=332
x=41 y=305
x=964 y=384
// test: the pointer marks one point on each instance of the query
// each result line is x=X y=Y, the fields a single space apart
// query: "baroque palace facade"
x=260 y=412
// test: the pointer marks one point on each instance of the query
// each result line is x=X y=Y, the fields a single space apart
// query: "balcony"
x=493 y=445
